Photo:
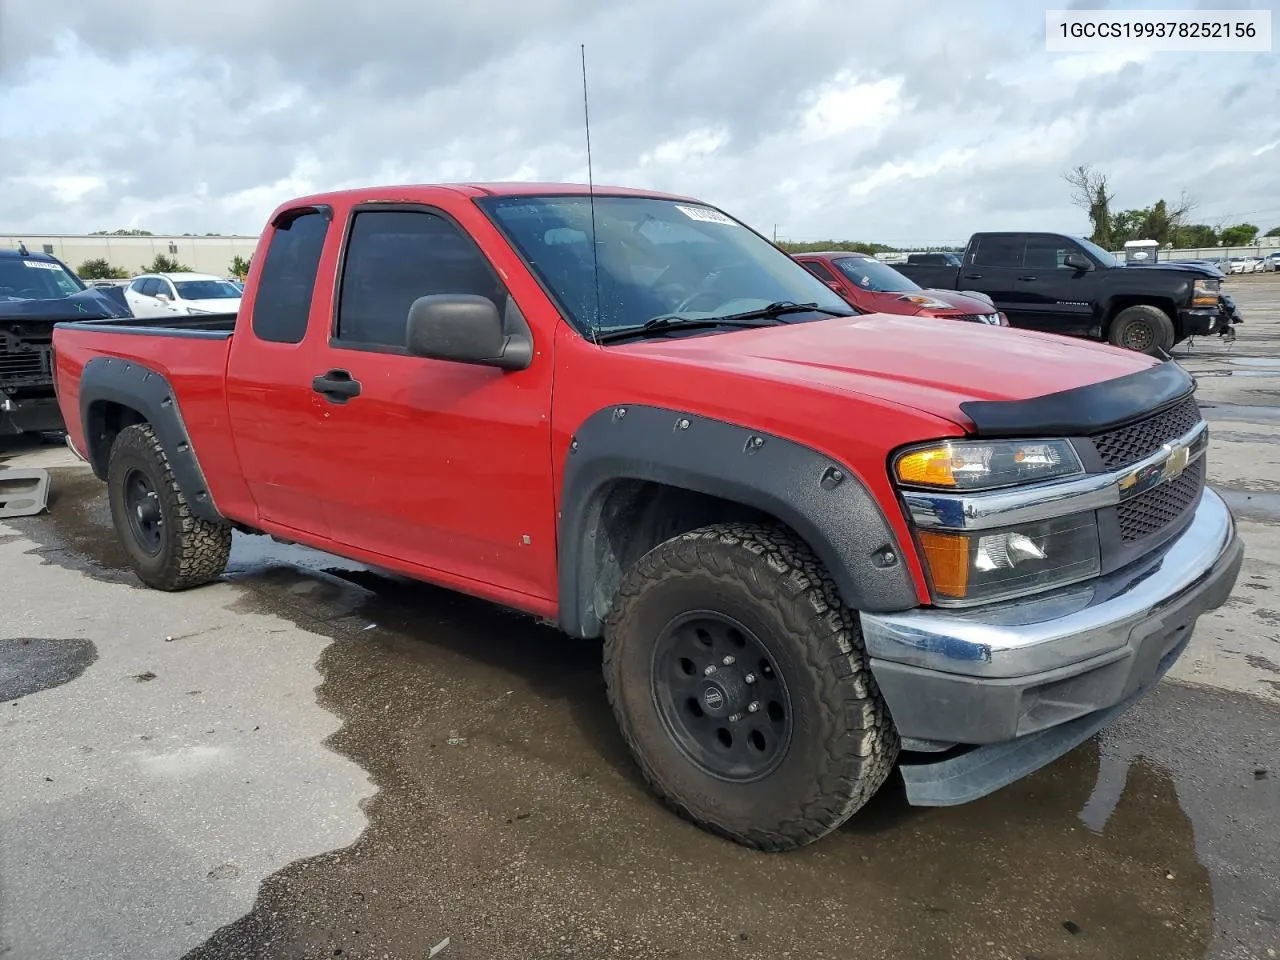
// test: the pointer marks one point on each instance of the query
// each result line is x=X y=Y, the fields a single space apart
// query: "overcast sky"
x=900 y=121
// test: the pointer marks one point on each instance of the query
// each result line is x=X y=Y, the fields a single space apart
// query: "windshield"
x=868 y=274
x=657 y=258
x=25 y=278
x=1102 y=256
x=206 y=289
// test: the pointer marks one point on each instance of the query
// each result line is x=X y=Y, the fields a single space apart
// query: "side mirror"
x=465 y=328
x=162 y=297
x=1077 y=261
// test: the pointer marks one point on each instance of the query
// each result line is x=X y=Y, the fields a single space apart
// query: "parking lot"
x=315 y=759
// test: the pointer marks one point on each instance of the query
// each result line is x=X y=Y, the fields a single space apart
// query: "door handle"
x=973 y=276
x=337 y=386
x=1028 y=278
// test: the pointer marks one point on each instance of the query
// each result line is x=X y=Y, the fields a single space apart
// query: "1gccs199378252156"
x=1170 y=31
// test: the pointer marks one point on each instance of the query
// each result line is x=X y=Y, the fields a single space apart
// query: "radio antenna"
x=591 y=197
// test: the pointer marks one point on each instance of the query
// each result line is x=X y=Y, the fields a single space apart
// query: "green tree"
x=1240 y=235
x=165 y=264
x=1127 y=225
x=812 y=246
x=1273 y=232
x=99 y=268
x=1089 y=193
x=1197 y=235
x=131 y=232
x=239 y=266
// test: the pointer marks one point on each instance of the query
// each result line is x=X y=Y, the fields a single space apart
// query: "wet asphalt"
x=507 y=816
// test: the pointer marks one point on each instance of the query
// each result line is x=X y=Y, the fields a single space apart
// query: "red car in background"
x=875 y=287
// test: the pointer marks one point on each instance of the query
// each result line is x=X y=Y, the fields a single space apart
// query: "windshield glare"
x=656 y=258
x=1102 y=256
x=877 y=277
x=206 y=290
x=23 y=278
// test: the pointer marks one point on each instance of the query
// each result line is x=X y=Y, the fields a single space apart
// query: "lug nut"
x=735 y=717
x=753 y=706
x=750 y=678
x=729 y=661
x=711 y=668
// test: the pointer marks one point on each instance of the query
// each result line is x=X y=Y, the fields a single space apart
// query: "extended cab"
x=812 y=543
x=1067 y=285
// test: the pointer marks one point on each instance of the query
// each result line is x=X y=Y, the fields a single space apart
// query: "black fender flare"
x=820 y=499
x=133 y=385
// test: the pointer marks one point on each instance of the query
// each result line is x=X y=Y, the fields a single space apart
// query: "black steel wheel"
x=721 y=696
x=142 y=507
x=1143 y=329
x=741 y=685
x=171 y=548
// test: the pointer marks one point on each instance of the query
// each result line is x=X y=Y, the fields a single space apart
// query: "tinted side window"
x=1048 y=253
x=150 y=286
x=999 y=252
x=819 y=270
x=396 y=256
x=288 y=277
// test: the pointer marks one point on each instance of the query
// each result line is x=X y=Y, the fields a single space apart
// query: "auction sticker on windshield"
x=41 y=265
x=705 y=214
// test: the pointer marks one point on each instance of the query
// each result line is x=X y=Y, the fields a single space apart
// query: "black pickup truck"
x=37 y=291
x=1067 y=285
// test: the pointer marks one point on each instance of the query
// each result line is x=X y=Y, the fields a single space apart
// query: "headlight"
x=989 y=565
x=976 y=465
x=929 y=303
x=1204 y=293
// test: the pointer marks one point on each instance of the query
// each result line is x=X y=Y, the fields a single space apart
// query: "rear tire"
x=756 y=604
x=1143 y=328
x=171 y=549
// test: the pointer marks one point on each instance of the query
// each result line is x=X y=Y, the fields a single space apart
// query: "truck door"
x=1058 y=297
x=444 y=465
x=277 y=420
x=992 y=266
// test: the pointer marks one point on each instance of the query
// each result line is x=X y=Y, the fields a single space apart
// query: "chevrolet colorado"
x=817 y=547
x=1066 y=285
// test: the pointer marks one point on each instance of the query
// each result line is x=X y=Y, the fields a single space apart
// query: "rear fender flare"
x=147 y=391
x=821 y=500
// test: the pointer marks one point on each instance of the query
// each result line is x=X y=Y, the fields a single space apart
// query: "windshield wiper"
x=764 y=317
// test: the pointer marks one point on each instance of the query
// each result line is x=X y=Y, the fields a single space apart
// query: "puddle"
x=31 y=664
x=1202 y=374
x=510 y=817
x=1273 y=362
x=1251 y=504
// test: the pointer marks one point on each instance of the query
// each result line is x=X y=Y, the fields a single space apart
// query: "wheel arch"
x=117 y=393
x=638 y=475
x=1123 y=301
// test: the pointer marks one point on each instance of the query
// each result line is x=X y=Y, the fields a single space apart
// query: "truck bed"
x=212 y=326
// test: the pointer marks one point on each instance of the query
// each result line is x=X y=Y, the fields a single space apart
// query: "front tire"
x=754 y=604
x=1144 y=329
x=171 y=549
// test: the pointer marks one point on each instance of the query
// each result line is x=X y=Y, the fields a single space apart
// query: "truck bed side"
x=931 y=276
x=110 y=374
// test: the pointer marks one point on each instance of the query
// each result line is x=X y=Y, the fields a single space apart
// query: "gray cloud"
x=937 y=120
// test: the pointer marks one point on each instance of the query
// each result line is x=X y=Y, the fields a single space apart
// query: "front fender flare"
x=820 y=499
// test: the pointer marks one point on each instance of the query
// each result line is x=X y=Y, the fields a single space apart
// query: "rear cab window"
x=282 y=304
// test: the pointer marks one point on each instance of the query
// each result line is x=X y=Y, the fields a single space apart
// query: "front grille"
x=32 y=361
x=1119 y=448
x=1154 y=510
x=991 y=318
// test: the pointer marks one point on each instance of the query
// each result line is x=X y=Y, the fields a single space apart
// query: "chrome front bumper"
x=991 y=674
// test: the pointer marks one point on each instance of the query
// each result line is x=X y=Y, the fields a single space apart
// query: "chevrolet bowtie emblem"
x=1177 y=462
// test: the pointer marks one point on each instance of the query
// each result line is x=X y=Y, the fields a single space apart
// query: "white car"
x=170 y=294
x=1270 y=263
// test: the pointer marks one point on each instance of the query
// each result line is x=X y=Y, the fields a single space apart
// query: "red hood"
x=906 y=360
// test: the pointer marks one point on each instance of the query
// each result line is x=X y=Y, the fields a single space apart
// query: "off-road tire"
x=844 y=744
x=1143 y=328
x=193 y=552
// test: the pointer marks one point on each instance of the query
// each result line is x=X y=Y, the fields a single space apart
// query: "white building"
x=134 y=254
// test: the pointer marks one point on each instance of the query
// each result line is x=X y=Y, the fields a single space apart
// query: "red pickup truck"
x=817 y=547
